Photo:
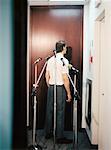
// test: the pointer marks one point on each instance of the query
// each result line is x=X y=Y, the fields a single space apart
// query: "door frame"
x=38 y=3
x=101 y=83
x=98 y=81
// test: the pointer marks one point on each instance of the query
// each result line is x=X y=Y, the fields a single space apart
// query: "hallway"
x=28 y=31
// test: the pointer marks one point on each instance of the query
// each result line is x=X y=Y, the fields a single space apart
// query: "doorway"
x=102 y=81
x=102 y=65
x=104 y=93
x=49 y=24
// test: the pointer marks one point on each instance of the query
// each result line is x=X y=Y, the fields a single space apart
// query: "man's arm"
x=67 y=86
x=47 y=76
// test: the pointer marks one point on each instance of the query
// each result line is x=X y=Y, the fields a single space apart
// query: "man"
x=56 y=73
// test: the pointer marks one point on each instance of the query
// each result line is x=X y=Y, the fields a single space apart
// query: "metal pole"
x=34 y=120
x=35 y=103
x=75 y=133
x=35 y=146
x=55 y=103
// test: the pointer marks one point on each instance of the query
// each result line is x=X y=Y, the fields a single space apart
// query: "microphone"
x=37 y=60
x=74 y=69
x=47 y=58
x=54 y=51
x=63 y=61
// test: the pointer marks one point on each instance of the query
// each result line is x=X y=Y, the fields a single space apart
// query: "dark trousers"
x=60 y=106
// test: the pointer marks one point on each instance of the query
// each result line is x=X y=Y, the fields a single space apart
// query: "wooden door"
x=48 y=25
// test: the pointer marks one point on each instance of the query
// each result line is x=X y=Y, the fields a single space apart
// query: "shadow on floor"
x=83 y=141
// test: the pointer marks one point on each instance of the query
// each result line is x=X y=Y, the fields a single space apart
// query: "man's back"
x=56 y=69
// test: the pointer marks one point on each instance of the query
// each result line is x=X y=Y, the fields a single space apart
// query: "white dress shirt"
x=56 y=66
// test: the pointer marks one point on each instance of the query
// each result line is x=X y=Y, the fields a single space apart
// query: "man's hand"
x=69 y=98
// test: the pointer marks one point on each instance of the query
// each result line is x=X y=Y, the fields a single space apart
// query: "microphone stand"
x=75 y=132
x=76 y=97
x=54 y=132
x=35 y=146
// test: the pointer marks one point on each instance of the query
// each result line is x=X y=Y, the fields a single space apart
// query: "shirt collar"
x=60 y=54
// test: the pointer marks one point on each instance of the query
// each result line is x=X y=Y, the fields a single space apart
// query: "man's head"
x=61 y=47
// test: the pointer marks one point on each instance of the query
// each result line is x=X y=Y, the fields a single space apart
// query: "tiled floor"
x=83 y=142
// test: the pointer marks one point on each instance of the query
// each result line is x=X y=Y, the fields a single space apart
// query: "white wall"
x=89 y=15
x=98 y=132
x=105 y=126
x=85 y=59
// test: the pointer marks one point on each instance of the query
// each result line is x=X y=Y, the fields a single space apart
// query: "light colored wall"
x=6 y=74
x=87 y=52
x=98 y=132
x=105 y=100
x=85 y=59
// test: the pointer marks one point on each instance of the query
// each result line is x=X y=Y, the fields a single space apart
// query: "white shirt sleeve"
x=49 y=65
x=65 y=68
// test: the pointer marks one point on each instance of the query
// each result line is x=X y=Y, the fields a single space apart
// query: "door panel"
x=49 y=25
x=102 y=82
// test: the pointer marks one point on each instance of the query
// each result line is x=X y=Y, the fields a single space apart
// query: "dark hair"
x=68 y=54
x=59 y=46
